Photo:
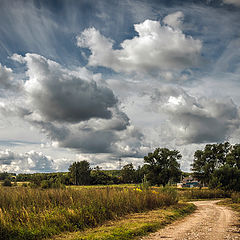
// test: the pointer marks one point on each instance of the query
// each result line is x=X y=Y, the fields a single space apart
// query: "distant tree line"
x=216 y=166
x=161 y=167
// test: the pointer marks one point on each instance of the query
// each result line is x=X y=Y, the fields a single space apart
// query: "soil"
x=208 y=222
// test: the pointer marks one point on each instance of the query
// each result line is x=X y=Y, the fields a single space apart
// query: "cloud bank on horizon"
x=102 y=85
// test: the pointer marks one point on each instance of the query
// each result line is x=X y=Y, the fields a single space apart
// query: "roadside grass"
x=233 y=202
x=28 y=214
x=102 y=186
x=202 y=194
x=132 y=226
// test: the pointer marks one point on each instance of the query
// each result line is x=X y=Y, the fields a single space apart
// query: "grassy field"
x=27 y=213
x=187 y=194
x=132 y=226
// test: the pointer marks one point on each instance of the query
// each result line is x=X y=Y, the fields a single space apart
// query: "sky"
x=108 y=80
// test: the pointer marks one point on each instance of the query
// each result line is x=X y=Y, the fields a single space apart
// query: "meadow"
x=27 y=213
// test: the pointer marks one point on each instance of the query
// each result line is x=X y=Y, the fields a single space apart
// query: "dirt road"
x=209 y=222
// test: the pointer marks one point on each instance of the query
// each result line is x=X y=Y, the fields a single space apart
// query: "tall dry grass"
x=235 y=197
x=34 y=213
x=203 y=193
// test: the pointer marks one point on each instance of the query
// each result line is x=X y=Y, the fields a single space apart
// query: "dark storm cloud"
x=197 y=120
x=73 y=110
x=60 y=95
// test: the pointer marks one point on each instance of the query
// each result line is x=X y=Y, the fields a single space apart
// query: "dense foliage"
x=218 y=166
x=162 y=166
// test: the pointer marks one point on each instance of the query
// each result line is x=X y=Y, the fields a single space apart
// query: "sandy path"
x=208 y=222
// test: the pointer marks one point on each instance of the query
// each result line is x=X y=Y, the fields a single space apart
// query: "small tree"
x=80 y=173
x=7 y=183
x=128 y=173
x=163 y=166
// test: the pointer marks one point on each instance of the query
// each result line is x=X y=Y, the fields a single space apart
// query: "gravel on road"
x=209 y=222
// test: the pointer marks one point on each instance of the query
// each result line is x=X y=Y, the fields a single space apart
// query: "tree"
x=100 y=177
x=226 y=177
x=233 y=158
x=208 y=160
x=141 y=172
x=128 y=173
x=80 y=173
x=7 y=182
x=163 y=166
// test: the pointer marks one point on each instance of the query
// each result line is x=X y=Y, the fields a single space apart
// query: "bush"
x=7 y=183
x=235 y=197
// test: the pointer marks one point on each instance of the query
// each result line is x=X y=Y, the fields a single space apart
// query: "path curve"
x=208 y=222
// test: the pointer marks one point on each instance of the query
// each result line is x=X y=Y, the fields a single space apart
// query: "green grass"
x=233 y=202
x=201 y=194
x=132 y=226
x=36 y=213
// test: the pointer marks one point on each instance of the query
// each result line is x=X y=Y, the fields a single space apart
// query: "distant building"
x=188 y=182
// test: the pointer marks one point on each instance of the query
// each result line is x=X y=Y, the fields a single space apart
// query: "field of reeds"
x=27 y=213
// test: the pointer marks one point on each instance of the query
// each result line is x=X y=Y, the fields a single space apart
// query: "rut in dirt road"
x=209 y=222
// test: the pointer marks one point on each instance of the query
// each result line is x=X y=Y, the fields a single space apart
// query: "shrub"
x=7 y=183
x=235 y=197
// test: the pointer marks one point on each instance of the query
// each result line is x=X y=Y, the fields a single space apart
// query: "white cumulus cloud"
x=156 y=48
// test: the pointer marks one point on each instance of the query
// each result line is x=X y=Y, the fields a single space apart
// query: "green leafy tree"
x=100 y=177
x=226 y=177
x=141 y=173
x=4 y=175
x=80 y=173
x=128 y=173
x=208 y=160
x=7 y=183
x=233 y=157
x=163 y=166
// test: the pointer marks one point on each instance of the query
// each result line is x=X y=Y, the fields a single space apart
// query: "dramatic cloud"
x=198 y=120
x=124 y=78
x=73 y=110
x=7 y=81
x=26 y=162
x=61 y=95
x=157 y=47
x=233 y=2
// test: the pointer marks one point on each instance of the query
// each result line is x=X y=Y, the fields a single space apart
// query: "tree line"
x=216 y=166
